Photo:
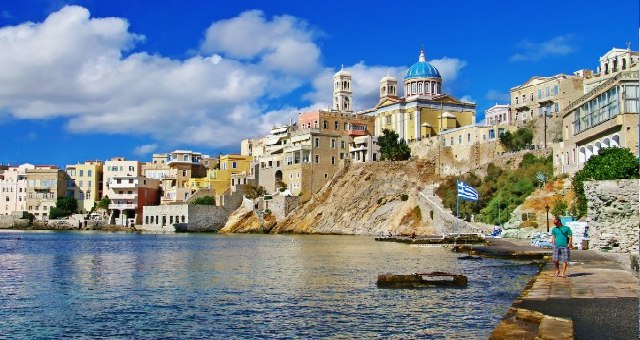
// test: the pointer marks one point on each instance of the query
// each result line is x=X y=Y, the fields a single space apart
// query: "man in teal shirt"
x=561 y=239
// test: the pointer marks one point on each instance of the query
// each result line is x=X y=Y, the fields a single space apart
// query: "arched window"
x=413 y=88
x=582 y=155
x=615 y=141
x=624 y=63
x=420 y=87
x=433 y=88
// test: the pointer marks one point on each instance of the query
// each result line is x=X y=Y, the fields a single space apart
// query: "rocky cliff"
x=362 y=199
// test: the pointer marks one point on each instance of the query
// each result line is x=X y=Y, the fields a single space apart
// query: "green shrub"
x=204 y=200
x=610 y=163
x=404 y=197
x=559 y=207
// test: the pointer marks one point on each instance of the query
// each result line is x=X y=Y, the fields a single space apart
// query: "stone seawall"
x=613 y=214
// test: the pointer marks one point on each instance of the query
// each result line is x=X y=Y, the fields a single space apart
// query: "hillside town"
x=573 y=117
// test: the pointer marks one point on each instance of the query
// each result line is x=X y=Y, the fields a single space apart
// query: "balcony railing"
x=124 y=196
x=122 y=206
x=123 y=184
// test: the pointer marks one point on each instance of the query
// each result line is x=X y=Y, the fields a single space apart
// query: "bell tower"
x=342 y=95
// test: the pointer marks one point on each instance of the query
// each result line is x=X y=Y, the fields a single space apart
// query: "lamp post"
x=545 y=133
x=547 y=209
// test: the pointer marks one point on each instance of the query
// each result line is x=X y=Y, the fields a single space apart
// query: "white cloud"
x=467 y=98
x=533 y=51
x=283 y=44
x=498 y=97
x=142 y=150
x=77 y=67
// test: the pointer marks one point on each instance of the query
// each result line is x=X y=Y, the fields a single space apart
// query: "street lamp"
x=545 y=131
x=547 y=209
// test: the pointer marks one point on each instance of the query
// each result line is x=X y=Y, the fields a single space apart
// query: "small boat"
x=422 y=280
x=470 y=257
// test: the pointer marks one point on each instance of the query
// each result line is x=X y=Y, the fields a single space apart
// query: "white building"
x=13 y=189
x=499 y=114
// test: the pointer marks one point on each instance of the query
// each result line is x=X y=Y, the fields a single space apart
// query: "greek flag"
x=467 y=192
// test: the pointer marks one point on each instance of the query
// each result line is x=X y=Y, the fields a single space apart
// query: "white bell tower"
x=342 y=95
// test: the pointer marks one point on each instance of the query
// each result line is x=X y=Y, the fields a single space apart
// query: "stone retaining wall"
x=613 y=214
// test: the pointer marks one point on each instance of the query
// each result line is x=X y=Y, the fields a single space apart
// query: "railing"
x=599 y=88
x=124 y=196
x=123 y=185
x=122 y=206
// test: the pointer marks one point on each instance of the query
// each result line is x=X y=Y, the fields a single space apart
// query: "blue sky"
x=85 y=80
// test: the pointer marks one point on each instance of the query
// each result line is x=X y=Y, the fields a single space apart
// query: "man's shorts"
x=561 y=254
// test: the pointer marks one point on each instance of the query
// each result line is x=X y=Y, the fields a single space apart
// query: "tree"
x=519 y=140
x=204 y=200
x=104 y=203
x=559 y=207
x=64 y=207
x=391 y=149
x=610 y=163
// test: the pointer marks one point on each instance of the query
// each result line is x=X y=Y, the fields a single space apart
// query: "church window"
x=420 y=88
x=413 y=88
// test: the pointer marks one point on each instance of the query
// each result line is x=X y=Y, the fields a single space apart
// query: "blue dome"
x=422 y=69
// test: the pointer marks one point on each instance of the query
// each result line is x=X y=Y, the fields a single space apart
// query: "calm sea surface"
x=92 y=284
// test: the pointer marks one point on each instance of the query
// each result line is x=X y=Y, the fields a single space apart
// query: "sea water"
x=127 y=285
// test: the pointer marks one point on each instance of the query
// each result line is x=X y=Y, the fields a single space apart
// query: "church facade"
x=424 y=111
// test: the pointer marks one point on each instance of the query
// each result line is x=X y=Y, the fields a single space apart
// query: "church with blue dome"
x=424 y=111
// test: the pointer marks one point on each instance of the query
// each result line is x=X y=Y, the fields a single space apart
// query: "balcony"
x=122 y=206
x=123 y=184
x=354 y=132
x=123 y=196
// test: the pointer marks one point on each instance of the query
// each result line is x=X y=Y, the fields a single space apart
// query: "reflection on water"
x=200 y=285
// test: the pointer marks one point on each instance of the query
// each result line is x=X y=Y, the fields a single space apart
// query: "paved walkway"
x=597 y=300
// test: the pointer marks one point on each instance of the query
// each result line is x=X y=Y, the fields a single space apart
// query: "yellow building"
x=424 y=111
x=219 y=180
x=45 y=184
x=85 y=184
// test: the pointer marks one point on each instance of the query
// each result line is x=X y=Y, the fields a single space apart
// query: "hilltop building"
x=499 y=114
x=605 y=116
x=424 y=111
x=540 y=95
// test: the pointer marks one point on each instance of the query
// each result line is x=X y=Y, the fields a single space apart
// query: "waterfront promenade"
x=598 y=299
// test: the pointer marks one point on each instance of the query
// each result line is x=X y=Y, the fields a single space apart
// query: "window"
x=342 y=145
x=132 y=168
x=234 y=165
x=539 y=93
x=531 y=96
x=184 y=173
x=516 y=100
x=546 y=91
x=81 y=196
x=555 y=107
x=325 y=124
x=333 y=161
x=80 y=183
x=326 y=175
x=492 y=134
x=388 y=118
x=460 y=139
x=555 y=90
x=315 y=124
x=80 y=173
x=89 y=172
x=291 y=175
x=317 y=159
x=333 y=143
x=468 y=137
x=89 y=184
x=451 y=140
x=335 y=125
x=317 y=142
